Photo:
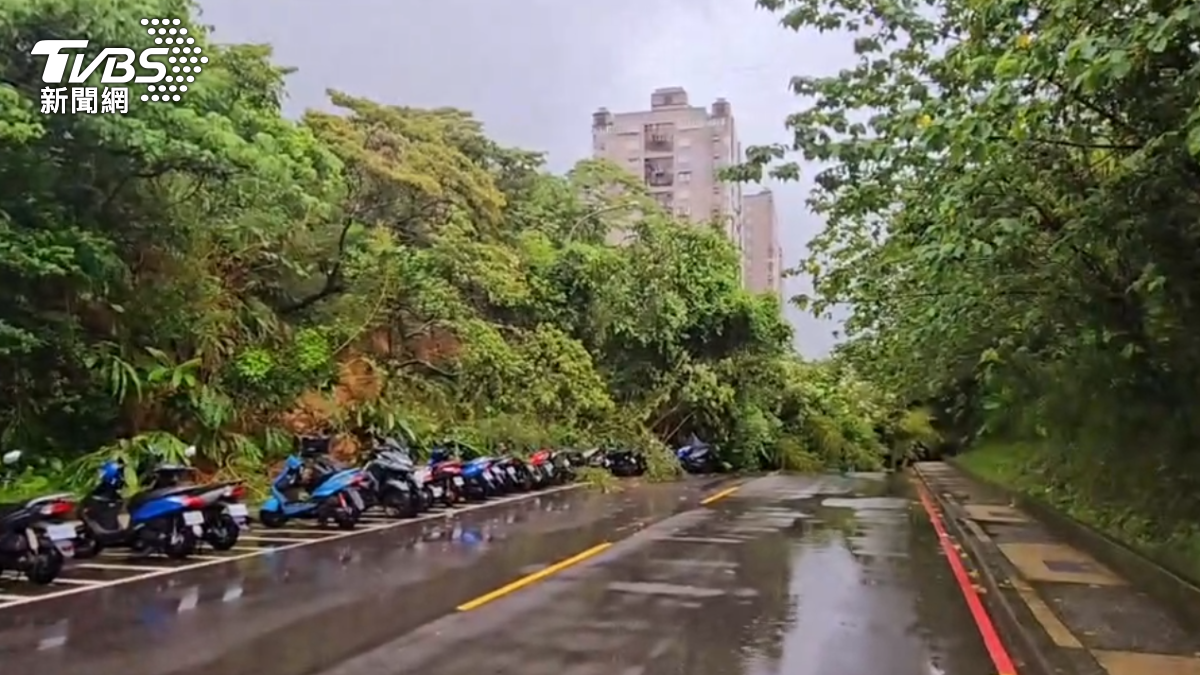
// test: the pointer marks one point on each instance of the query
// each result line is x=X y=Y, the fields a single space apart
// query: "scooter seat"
x=448 y=466
x=143 y=497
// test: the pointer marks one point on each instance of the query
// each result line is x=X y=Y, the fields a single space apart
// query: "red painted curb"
x=987 y=631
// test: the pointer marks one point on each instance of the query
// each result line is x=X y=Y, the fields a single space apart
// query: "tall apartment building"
x=762 y=256
x=677 y=148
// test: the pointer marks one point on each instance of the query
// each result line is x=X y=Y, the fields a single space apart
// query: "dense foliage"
x=1012 y=194
x=211 y=272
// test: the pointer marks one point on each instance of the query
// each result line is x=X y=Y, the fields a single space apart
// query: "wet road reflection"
x=792 y=575
x=292 y=612
x=789 y=575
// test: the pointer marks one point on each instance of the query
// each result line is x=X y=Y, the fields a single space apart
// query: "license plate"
x=59 y=533
x=237 y=510
x=512 y=473
x=549 y=468
x=193 y=517
x=458 y=480
x=437 y=491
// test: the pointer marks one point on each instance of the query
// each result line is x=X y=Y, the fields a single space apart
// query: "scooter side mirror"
x=11 y=457
x=189 y=451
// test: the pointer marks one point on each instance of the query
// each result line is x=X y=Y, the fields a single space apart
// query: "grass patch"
x=599 y=479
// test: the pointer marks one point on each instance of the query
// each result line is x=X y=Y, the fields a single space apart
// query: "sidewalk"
x=1066 y=613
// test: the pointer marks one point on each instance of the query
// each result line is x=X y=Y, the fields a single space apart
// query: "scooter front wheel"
x=86 y=544
x=346 y=519
x=451 y=494
x=400 y=504
x=272 y=518
x=223 y=534
x=181 y=543
x=44 y=566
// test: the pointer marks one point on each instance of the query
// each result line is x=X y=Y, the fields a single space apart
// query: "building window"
x=685 y=177
x=683 y=210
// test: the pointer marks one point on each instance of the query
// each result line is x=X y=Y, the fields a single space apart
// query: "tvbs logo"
x=175 y=59
x=117 y=61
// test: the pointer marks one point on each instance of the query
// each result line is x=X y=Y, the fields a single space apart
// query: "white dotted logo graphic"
x=186 y=59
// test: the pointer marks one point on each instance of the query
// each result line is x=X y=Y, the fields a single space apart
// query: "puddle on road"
x=798 y=575
x=852 y=582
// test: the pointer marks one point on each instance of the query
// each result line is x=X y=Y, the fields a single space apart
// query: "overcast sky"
x=534 y=70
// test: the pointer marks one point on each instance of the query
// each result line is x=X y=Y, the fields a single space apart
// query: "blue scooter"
x=697 y=457
x=476 y=480
x=312 y=486
x=494 y=481
x=167 y=520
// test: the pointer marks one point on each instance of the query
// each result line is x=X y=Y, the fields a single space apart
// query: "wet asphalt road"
x=792 y=575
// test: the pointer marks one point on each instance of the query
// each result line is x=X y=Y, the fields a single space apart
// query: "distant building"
x=762 y=256
x=677 y=149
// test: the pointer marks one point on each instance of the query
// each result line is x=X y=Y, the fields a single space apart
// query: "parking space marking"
x=115 y=566
x=65 y=581
x=272 y=530
x=282 y=540
x=143 y=572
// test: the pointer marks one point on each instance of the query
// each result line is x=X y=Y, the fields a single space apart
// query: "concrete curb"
x=1171 y=588
x=1013 y=619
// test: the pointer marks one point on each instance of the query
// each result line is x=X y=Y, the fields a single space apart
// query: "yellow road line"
x=720 y=495
x=1055 y=628
x=532 y=578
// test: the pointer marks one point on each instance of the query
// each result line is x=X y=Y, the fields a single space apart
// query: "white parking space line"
x=115 y=566
x=280 y=540
x=64 y=581
x=247 y=552
x=271 y=531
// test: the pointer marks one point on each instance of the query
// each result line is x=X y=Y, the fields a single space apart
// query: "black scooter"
x=626 y=463
x=390 y=475
x=33 y=539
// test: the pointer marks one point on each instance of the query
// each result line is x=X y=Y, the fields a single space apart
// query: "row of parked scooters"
x=173 y=516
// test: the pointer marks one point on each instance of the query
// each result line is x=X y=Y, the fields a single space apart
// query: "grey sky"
x=534 y=70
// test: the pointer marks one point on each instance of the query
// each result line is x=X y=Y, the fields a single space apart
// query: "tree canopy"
x=211 y=272
x=1012 y=198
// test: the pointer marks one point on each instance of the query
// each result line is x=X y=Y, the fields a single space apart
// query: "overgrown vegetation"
x=1012 y=201
x=210 y=272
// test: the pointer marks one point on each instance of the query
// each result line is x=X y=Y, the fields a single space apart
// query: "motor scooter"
x=310 y=485
x=34 y=540
x=390 y=480
x=167 y=520
x=225 y=514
